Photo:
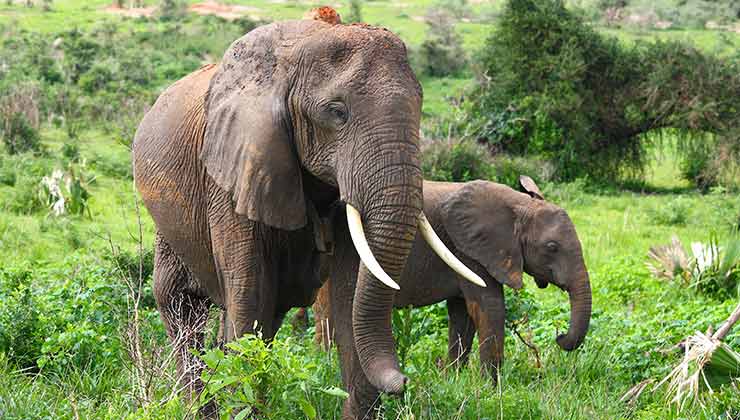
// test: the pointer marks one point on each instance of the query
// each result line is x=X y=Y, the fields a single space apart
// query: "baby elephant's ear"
x=247 y=146
x=482 y=228
x=530 y=187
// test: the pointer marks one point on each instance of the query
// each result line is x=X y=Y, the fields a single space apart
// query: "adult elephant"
x=238 y=164
x=500 y=233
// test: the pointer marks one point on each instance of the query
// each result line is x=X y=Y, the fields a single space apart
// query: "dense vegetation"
x=551 y=86
x=79 y=333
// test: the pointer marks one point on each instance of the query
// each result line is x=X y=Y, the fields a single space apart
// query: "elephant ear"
x=530 y=187
x=248 y=147
x=482 y=227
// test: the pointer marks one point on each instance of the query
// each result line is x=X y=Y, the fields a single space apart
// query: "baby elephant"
x=497 y=232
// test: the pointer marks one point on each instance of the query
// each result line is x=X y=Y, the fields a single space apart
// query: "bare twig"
x=531 y=346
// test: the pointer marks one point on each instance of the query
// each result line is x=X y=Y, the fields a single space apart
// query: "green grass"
x=636 y=318
x=404 y=18
x=719 y=42
x=80 y=299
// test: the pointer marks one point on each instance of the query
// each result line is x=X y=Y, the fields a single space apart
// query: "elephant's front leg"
x=245 y=277
x=489 y=313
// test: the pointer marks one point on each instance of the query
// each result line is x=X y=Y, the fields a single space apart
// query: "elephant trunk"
x=580 y=314
x=389 y=200
x=373 y=305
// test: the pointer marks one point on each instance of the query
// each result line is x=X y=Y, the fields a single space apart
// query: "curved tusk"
x=447 y=256
x=354 y=220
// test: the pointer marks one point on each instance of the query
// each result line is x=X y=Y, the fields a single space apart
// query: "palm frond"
x=668 y=261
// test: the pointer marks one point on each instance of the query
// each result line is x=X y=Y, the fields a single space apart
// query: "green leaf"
x=307 y=408
x=334 y=391
x=221 y=383
x=243 y=413
x=248 y=392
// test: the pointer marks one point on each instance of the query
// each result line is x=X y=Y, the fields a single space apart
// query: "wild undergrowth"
x=80 y=336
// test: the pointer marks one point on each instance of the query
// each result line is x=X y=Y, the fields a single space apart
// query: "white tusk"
x=447 y=256
x=354 y=220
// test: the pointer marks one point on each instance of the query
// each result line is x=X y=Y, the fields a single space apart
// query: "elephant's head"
x=508 y=232
x=299 y=111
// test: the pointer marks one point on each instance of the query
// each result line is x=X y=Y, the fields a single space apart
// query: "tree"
x=441 y=52
x=550 y=85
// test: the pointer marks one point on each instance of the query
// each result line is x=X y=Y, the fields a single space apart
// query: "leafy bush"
x=455 y=160
x=23 y=172
x=255 y=378
x=441 y=52
x=19 y=136
x=717 y=270
x=674 y=212
x=171 y=9
x=54 y=319
x=716 y=161
x=355 y=11
x=411 y=326
x=106 y=74
x=574 y=193
x=550 y=85
x=19 y=118
x=20 y=335
x=506 y=169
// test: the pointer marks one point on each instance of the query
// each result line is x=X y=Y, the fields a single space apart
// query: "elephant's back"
x=167 y=170
x=174 y=120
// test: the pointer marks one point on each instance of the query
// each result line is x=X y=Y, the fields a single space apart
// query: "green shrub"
x=98 y=76
x=355 y=11
x=441 y=53
x=71 y=151
x=520 y=307
x=411 y=326
x=23 y=172
x=171 y=9
x=276 y=381
x=672 y=213
x=19 y=136
x=506 y=169
x=717 y=274
x=455 y=161
x=21 y=332
x=575 y=193
x=551 y=86
x=54 y=319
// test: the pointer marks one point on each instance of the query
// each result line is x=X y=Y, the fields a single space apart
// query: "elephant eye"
x=552 y=246
x=337 y=112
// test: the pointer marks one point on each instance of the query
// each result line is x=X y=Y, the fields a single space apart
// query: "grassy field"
x=66 y=309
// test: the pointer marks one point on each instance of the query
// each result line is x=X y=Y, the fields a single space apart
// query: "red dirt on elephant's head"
x=324 y=14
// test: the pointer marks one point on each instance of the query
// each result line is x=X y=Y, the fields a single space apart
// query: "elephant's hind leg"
x=461 y=331
x=184 y=315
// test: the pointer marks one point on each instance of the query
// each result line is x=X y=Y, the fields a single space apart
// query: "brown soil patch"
x=226 y=11
x=133 y=12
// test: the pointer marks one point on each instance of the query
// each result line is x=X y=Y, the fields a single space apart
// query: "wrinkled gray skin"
x=498 y=233
x=238 y=163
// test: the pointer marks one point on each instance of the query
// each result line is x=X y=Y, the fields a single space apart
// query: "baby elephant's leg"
x=461 y=331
